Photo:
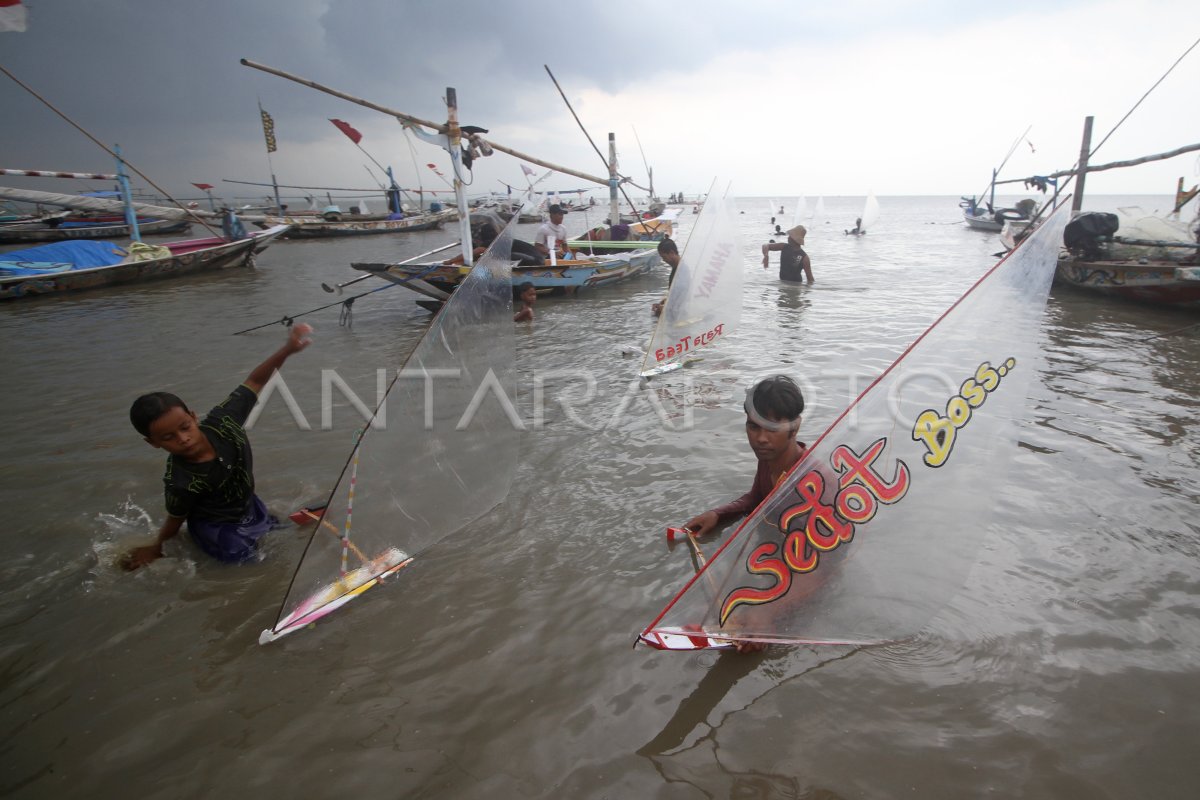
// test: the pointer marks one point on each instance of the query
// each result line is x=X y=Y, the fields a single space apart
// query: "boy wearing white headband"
x=773 y=408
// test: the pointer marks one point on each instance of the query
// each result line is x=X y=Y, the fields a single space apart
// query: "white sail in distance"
x=870 y=214
x=798 y=214
x=704 y=300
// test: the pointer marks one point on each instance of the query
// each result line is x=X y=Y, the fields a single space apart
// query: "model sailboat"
x=437 y=454
x=798 y=214
x=704 y=301
x=875 y=528
x=870 y=215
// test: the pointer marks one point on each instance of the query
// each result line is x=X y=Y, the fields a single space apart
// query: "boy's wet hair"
x=775 y=398
x=667 y=245
x=520 y=290
x=150 y=407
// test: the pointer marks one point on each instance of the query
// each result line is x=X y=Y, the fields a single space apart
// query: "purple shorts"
x=234 y=541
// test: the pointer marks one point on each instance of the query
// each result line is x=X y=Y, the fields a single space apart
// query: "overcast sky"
x=895 y=98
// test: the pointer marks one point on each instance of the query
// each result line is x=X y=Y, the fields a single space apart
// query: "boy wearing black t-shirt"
x=209 y=481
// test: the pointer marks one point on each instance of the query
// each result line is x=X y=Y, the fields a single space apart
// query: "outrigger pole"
x=412 y=122
x=1191 y=148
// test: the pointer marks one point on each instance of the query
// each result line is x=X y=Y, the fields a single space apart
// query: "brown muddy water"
x=501 y=664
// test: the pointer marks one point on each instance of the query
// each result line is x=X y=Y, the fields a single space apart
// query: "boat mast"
x=269 y=135
x=414 y=122
x=1084 y=150
x=127 y=196
x=614 y=204
x=454 y=146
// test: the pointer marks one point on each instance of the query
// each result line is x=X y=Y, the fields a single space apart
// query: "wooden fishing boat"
x=988 y=219
x=643 y=235
x=982 y=215
x=17 y=218
x=1163 y=271
x=1163 y=283
x=565 y=277
x=41 y=232
x=77 y=266
x=305 y=228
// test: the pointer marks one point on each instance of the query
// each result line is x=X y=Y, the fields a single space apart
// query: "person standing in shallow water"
x=794 y=263
x=773 y=409
x=668 y=251
x=209 y=481
x=527 y=294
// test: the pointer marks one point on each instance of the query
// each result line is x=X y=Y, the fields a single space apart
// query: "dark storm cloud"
x=162 y=78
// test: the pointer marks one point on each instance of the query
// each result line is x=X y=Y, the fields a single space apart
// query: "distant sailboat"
x=870 y=216
x=801 y=203
x=819 y=210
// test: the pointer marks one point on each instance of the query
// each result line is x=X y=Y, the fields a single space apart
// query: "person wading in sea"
x=794 y=263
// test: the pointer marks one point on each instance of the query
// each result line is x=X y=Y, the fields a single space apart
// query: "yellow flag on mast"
x=268 y=129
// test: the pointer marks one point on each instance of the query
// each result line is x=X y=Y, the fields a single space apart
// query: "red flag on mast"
x=12 y=16
x=348 y=129
x=204 y=187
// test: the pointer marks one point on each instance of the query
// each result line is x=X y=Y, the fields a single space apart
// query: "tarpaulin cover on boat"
x=82 y=254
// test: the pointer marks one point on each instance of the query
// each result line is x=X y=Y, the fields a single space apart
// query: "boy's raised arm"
x=297 y=340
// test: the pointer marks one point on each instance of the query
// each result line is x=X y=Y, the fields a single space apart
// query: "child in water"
x=668 y=251
x=528 y=295
x=773 y=408
x=209 y=478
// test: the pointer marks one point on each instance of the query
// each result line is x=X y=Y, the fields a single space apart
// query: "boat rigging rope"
x=347 y=313
x=1059 y=190
x=593 y=144
x=1143 y=97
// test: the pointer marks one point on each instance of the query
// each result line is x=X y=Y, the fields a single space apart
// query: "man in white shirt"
x=552 y=235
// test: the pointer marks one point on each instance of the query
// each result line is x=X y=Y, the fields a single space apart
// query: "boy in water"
x=528 y=294
x=209 y=478
x=668 y=251
x=773 y=408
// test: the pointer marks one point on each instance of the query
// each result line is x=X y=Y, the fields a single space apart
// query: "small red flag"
x=348 y=129
x=12 y=16
x=204 y=187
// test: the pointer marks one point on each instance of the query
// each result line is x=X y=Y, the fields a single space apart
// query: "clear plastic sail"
x=704 y=300
x=438 y=453
x=869 y=535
